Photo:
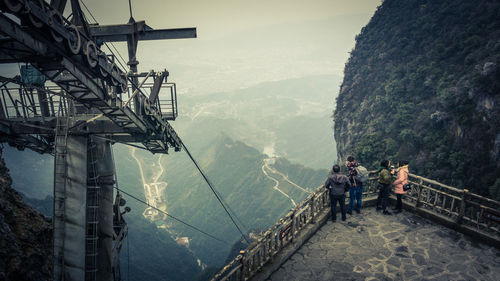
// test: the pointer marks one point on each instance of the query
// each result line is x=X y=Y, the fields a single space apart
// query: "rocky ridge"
x=423 y=84
x=25 y=236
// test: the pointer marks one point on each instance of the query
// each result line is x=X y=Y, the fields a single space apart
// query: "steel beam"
x=13 y=30
x=118 y=33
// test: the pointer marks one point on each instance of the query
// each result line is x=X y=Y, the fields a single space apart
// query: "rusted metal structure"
x=72 y=100
x=456 y=208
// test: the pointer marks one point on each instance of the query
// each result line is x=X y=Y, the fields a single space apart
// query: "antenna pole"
x=130 y=7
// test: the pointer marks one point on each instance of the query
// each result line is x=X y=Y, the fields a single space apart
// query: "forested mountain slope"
x=423 y=84
x=258 y=188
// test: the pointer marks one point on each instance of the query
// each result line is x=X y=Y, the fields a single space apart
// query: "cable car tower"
x=87 y=104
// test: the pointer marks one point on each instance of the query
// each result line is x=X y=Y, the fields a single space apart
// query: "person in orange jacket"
x=401 y=180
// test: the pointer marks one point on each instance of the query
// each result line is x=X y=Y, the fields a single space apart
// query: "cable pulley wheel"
x=13 y=5
x=102 y=70
x=32 y=19
x=123 y=85
x=115 y=72
x=90 y=52
x=56 y=18
x=147 y=107
x=74 y=40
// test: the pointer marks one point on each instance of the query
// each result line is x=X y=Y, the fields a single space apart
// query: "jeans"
x=355 y=193
x=383 y=195
x=333 y=201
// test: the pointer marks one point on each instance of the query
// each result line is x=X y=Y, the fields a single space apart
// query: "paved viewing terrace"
x=445 y=233
x=405 y=246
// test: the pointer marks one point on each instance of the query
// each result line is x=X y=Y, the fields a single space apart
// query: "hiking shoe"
x=378 y=209
x=398 y=211
x=387 y=213
x=358 y=211
x=349 y=212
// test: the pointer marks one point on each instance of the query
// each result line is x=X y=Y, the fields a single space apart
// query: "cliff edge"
x=25 y=236
x=423 y=84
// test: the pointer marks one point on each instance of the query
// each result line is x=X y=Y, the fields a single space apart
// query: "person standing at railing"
x=338 y=185
x=356 y=190
x=401 y=180
x=384 y=185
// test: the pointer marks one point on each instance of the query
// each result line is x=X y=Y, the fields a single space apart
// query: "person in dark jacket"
x=338 y=185
x=384 y=184
x=356 y=190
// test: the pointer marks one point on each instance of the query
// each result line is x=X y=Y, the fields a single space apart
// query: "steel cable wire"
x=215 y=192
x=169 y=215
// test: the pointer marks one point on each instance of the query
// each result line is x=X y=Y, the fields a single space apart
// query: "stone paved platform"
x=371 y=246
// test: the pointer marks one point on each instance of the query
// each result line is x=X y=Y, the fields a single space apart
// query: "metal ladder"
x=91 y=233
x=60 y=182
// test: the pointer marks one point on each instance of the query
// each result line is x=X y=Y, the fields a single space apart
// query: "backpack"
x=362 y=174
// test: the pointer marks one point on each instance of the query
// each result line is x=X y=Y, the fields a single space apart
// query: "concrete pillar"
x=82 y=165
x=105 y=170
x=70 y=184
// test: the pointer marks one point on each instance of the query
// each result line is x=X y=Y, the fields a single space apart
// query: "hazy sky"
x=240 y=43
x=217 y=17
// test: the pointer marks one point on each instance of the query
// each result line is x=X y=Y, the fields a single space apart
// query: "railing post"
x=419 y=194
x=461 y=213
x=292 y=225
x=313 y=218
x=243 y=262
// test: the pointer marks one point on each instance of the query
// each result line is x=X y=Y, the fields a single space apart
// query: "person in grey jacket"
x=338 y=185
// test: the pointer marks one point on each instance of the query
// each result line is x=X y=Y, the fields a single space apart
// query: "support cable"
x=90 y=13
x=169 y=215
x=219 y=195
x=105 y=43
x=215 y=192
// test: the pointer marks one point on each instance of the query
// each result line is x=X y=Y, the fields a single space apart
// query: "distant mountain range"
x=291 y=118
x=250 y=182
x=258 y=188
x=227 y=133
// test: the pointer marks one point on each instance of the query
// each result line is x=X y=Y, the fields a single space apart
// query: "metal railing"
x=280 y=235
x=459 y=205
x=166 y=104
x=465 y=207
x=29 y=102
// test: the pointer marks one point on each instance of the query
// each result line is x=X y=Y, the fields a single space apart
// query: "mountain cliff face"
x=25 y=236
x=423 y=84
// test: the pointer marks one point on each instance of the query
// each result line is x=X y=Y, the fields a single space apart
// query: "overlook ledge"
x=405 y=246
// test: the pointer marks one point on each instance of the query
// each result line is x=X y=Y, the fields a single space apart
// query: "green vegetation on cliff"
x=423 y=84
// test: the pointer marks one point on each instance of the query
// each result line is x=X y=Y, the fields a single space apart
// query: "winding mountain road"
x=267 y=169
x=276 y=182
x=154 y=190
x=285 y=177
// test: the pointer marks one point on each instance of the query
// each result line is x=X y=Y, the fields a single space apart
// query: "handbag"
x=406 y=187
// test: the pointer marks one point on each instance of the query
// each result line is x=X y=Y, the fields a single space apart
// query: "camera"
x=392 y=169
